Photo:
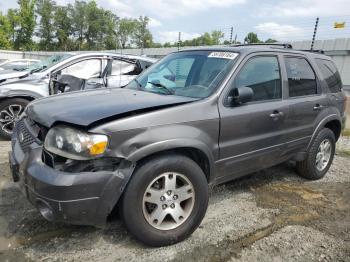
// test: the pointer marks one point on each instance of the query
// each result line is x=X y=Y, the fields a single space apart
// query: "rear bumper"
x=84 y=198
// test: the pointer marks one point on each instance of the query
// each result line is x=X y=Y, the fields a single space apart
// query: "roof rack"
x=314 y=51
x=284 y=45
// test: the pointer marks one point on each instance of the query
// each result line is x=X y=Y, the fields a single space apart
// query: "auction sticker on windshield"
x=227 y=55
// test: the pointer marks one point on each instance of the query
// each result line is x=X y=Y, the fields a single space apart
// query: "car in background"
x=71 y=72
x=16 y=73
x=17 y=64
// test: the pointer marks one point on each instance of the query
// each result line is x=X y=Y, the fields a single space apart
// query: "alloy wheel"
x=8 y=117
x=168 y=201
x=323 y=155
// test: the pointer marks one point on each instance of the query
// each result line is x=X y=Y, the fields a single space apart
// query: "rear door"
x=332 y=83
x=305 y=99
x=251 y=134
x=121 y=73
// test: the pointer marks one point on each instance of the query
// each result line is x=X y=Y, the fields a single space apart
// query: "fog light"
x=45 y=210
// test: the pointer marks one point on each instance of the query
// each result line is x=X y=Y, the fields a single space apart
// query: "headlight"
x=74 y=144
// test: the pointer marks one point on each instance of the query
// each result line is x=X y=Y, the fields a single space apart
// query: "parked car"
x=17 y=64
x=195 y=119
x=11 y=75
x=65 y=73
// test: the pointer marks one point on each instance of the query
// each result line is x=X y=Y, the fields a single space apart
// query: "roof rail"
x=284 y=45
x=314 y=51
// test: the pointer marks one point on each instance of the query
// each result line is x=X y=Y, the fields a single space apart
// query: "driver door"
x=251 y=134
x=73 y=77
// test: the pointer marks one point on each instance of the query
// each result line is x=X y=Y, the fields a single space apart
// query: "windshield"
x=47 y=63
x=194 y=74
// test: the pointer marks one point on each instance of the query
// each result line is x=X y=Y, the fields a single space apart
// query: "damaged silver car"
x=64 y=73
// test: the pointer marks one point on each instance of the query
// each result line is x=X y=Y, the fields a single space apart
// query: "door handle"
x=276 y=114
x=318 y=107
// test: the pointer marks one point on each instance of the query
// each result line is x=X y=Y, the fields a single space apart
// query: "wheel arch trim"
x=321 y=125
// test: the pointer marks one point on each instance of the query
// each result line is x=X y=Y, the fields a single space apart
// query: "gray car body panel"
x=233 y=140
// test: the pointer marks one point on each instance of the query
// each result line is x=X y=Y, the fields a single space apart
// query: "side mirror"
x=240 y=95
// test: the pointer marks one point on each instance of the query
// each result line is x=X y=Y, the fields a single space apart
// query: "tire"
x=137 y=212
x=311 y=168
x=10 y=110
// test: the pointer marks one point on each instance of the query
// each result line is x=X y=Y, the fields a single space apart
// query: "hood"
x=7 y=74
x=18 y=76
x=85 y=108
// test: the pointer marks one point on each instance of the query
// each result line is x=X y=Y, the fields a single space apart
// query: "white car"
x=65 y=73
x=17 y=64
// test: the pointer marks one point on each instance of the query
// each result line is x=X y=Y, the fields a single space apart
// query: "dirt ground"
x=272 y=215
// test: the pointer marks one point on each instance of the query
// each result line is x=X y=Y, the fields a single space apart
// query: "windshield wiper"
x=158 y=84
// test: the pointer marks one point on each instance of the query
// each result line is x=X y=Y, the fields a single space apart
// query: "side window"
x=123 y=68
x=301 y=77
x=330 y=74
x=84 y=69
x=262 y=75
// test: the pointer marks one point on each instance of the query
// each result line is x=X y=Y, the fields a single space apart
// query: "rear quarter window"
x=330 y=74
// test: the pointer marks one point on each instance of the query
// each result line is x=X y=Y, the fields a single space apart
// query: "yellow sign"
x=339 y=25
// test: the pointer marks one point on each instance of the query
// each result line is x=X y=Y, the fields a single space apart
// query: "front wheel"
x=165 y=201
x=320 y=156
x=10 y=110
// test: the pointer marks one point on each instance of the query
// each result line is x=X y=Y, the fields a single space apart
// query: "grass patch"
x=346 y=132
x=343 y=152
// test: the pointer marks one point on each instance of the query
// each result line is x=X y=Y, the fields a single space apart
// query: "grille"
x=24 y=137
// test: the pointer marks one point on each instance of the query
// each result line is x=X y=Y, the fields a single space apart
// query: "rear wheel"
x=165 y=201
x=10 y=110
x=320 y=156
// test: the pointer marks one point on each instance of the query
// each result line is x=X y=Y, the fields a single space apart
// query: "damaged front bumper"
x=83 y=198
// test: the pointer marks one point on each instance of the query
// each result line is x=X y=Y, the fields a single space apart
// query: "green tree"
x=13 y=18
x=26 y=24
x=252 y=38
x=93 y=21
x=167 y=44
x=142 y=37
x=5 y=32
x=109 y=25
x=126 y=27
x=216 y=36
x=79 y=21
x=270 y=40
x=46 y=32
x=63 y=27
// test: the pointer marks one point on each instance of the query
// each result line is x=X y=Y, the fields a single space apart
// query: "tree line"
x=83 y=25
x=45 y=25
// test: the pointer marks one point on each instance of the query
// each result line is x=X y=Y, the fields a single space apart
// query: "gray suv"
x=195 y=119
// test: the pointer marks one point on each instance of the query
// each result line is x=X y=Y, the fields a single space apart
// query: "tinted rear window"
x=330 y=75
x=301 y=77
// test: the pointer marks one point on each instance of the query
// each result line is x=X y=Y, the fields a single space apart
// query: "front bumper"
x=85 y=198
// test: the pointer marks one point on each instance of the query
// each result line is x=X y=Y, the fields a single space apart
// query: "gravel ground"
x=272 y=215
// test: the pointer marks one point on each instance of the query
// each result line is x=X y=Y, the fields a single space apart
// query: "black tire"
x=4 y=106
x=307 y=168
x=132 y=202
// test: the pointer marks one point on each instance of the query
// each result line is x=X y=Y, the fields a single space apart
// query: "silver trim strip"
x=317 y=128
